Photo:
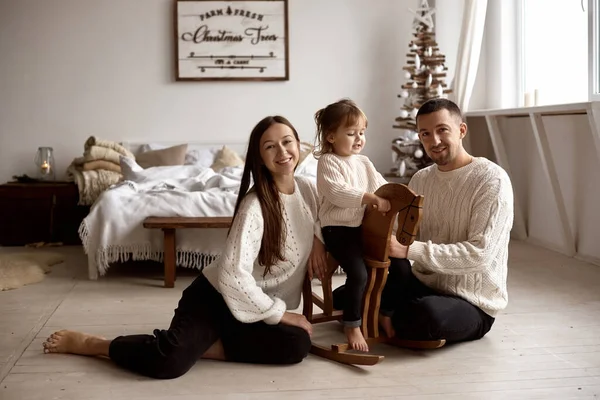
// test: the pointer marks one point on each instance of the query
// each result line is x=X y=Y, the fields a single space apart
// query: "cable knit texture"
x=342 y=183
x=237 y=275
x=467 y=219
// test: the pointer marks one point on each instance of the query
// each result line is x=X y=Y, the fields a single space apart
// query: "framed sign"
x=231 y=40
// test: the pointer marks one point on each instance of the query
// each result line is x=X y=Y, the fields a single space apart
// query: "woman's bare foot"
x=76 y=343
x=386 y=324
x=356 y=340
x=215 y=352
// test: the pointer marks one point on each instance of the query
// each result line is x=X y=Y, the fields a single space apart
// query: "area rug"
x=19 y=269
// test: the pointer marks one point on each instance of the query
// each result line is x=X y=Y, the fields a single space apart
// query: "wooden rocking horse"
x=376 y=232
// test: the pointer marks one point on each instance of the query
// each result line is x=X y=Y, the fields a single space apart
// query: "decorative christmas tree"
x=425 y=75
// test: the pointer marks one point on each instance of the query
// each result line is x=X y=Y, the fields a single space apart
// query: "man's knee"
x=428 y=319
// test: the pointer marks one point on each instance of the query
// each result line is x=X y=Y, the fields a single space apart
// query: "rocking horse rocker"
x=376 y=232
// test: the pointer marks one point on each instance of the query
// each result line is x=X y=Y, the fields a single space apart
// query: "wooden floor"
x=546 y=345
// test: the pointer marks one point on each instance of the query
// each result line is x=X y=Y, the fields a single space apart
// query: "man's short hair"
x=433 y=105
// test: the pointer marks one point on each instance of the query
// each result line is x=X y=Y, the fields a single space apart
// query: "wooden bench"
x=169 y=225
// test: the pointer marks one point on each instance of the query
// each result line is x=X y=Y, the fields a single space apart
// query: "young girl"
x=346 y=181
x=236 y=310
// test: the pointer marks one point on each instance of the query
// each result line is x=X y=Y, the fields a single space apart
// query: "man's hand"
x=317 y=261
x=396 y=249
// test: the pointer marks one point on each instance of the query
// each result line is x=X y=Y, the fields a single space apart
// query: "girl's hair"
x=271 y=247
x=342 y=113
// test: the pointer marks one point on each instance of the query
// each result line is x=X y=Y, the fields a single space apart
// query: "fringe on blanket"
x=121 y=253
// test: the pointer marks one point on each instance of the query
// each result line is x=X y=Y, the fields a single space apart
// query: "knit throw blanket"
x=92 y=182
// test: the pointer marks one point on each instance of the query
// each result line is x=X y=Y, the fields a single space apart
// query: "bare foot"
x=76 y=343
x=386 y=324
x=356 y=340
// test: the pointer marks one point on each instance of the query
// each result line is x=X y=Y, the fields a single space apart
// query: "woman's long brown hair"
x=271 y=247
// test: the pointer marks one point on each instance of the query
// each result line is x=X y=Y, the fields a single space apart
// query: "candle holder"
x=44 y=161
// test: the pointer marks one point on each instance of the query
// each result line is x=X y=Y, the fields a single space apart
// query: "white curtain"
x=469 y=50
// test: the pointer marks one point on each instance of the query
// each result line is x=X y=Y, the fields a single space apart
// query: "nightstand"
x=40 y=212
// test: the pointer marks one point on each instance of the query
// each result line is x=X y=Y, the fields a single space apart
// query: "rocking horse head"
x=406 y=207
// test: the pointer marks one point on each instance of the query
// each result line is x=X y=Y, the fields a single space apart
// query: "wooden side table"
x=40 y=212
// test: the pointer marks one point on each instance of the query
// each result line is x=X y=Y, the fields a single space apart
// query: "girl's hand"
x=382 y=205
x=317 y=261
x=298 y=320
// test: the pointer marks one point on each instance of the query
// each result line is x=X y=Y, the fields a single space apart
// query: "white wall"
x=448 y=21
x=74 y=68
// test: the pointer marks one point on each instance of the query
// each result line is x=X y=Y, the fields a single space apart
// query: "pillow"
x=308 y=167
x=164 y=157
x=305 y=150
x=201 y=157
x=226 y=158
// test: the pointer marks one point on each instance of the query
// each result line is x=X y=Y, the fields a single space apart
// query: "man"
x=457 y=282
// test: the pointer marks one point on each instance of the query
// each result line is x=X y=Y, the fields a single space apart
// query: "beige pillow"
x=226 y=158
x=158 y=158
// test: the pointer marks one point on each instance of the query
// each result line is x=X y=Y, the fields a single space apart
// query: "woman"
x=236 y=309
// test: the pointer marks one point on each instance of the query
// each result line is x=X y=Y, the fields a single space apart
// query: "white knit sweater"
x=237 y=274
x=342 y=183
x=465 y=230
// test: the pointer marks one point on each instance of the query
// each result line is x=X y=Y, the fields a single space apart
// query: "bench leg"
x=169 y=257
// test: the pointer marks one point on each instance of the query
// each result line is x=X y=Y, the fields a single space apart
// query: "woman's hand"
x=317 y=261
x=298 y=320
x=397 y=250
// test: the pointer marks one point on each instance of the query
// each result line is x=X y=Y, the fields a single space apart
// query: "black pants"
x=420 y=313
x=345 y=245
x=201 y=318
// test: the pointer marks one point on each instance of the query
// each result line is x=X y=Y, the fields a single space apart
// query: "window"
x=554 y=52
x=594 y=46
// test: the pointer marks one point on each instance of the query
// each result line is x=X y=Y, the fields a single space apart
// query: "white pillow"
x=308 y=166
x=201 y=157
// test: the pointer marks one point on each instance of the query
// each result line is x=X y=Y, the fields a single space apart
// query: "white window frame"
x=593 y=53
x=593 y=9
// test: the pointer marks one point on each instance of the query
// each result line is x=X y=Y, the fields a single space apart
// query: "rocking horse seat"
x=376 y=231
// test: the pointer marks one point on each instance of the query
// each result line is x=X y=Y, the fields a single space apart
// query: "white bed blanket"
x=113 y=230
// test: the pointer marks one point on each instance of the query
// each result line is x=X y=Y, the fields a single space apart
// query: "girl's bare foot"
x=356 y=340
x=386 y=324
x=76 y=343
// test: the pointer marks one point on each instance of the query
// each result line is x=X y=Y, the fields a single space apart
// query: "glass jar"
x=44 y=162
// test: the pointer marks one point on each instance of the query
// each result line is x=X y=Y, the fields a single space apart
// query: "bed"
x=113 y=230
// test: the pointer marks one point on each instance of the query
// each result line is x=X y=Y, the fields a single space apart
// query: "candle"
x=45 y=167
x=528 y=100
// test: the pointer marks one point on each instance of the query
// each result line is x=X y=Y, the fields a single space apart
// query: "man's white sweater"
x=464 y=232
x=238 y=276
x=342 y=182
